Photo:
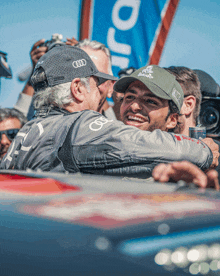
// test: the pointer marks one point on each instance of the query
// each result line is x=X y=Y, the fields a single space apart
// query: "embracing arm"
x=102 y=145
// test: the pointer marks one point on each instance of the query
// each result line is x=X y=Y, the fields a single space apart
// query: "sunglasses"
x=10 y=133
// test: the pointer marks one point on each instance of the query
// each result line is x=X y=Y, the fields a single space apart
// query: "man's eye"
x=129 y=97
x=151 y=102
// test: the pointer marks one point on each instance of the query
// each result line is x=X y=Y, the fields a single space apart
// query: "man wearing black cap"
x=66 y=136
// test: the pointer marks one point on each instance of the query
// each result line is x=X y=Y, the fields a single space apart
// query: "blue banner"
x=129 y=28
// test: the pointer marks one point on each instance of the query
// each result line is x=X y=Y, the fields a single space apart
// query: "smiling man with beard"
x=152 y=100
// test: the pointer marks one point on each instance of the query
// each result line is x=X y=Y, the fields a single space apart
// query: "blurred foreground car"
x=74 y=224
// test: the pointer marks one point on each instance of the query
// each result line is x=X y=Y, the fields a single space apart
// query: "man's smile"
x=135 y=119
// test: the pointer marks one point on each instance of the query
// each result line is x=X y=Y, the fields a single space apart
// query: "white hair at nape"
x=58 y=95
x=95 y=45
x=85 y=82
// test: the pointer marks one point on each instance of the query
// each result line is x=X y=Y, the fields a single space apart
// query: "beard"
x=154 y=126
x=3 y=151
x=101 y=103
x=179 y=127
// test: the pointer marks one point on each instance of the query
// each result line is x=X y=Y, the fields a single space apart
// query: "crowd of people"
x=62 y=120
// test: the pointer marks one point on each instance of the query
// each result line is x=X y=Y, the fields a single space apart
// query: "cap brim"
x=122 y=85
x=104 y=77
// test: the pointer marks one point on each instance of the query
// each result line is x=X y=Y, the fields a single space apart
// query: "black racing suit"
x=88 y=142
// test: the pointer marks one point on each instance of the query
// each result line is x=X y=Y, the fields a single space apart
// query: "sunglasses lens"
x=11 y=133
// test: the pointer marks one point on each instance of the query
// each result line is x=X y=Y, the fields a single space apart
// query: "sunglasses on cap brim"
x=10 y=133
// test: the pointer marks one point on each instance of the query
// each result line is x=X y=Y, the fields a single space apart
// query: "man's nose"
x=136 y=106
x=5 y=140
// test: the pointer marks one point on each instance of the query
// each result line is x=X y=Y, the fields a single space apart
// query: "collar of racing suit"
x=49 y=111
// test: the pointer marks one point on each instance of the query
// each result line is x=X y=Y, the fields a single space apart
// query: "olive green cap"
x=160 y=82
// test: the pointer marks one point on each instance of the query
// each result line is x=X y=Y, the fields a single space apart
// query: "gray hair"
x=95 y=45
x=58 y=95
x=10 y=113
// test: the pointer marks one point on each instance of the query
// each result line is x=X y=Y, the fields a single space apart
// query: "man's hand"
x=188 y=172
x=215 y=151
x=71 y=41
x=37 y=52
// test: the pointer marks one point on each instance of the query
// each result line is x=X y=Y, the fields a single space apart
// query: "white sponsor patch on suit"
x=98 y=123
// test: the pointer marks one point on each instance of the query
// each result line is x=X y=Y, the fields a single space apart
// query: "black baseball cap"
x=62 y=63
x=208 y=85
x=160 y=82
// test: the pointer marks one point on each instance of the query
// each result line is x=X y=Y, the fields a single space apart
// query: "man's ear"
x=172 y=121
x=189 y=104
x=77 y=90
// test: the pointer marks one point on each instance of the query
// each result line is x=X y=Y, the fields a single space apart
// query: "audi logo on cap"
x=79 y=63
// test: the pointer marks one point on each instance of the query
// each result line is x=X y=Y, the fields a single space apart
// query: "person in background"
x=193 y=83
x=25 y=98
x=209 y=116
x=190 y=110
x=101 y=56
x=11 y=120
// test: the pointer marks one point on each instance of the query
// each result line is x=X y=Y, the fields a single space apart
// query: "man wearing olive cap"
x=68 y=135
x=152 y=100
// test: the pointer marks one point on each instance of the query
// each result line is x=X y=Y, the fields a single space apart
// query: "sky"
x=193 y=40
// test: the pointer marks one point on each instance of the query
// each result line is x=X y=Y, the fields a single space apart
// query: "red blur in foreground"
x=41 y=186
